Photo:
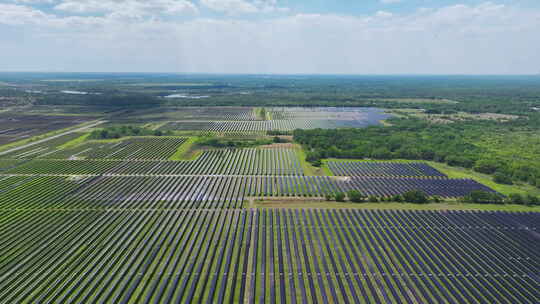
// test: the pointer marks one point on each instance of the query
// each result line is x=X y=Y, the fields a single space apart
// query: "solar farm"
x=253 y=120
x=139 y=225
x=268 y=256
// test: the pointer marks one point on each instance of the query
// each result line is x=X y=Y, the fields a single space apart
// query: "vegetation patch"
x=186 y=151
x=457 y=172
x=513 y=158
x=115 y=132
x=231 y=142
x=74 y=142
x=307 y=167
x=416 y=100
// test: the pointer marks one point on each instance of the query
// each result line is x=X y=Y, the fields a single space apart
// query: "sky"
x=271 y=36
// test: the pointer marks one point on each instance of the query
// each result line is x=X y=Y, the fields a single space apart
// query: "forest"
x=474 y=94
x=469 y=144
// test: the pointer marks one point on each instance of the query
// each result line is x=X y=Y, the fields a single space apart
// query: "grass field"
x=308 y=168
x=75 y=142
x=186 y=151
x=456 y=172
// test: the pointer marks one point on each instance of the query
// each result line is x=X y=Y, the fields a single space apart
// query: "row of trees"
x=482 y=197
x=419 y=197
x=219 y=142
x=123 y=131
x=355 y=196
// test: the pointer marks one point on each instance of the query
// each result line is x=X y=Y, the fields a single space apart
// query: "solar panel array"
x=268 y=256
x=395 y=169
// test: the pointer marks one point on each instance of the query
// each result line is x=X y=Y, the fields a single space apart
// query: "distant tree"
x=397 y=198
x=355 y=196
x=339 y=196
x=436 y=199
x=532 y=200
x=516 y=198
x=482 y=197
x=373 y=199
x=122 y=131
x=501 y=178
x=415 y=196
x=263 y=113
x=487 y=166
x=313 y=157
x=381 y=153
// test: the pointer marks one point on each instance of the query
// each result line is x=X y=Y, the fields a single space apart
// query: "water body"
x=74 y=92
x=185 y=96
x=373 y=116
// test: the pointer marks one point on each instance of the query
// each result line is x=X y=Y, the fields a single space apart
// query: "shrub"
x=532 y=200
x=355 y=196
x=519 y=199
x=487 y=166
x=482 y=197
x=278 y=140
x=515 y=198
x=339 y=196
x=329 y=196
x=373 y=199
x=396 y=198
x=436 y=199
x=415 y=196
x=501 y=178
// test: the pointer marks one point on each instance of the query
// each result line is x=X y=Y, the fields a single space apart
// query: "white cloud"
x=130 y=8
x=238 y=7
x=230 y=6
x=13 y=14
x=466 y=39
x=383 y=14
x=33 y=1
x=390 y=1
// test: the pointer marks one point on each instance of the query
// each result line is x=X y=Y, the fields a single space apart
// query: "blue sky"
x=343 y=7
x=358 y=7
x=272 y=36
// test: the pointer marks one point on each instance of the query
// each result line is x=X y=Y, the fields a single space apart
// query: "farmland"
x=161 y=201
